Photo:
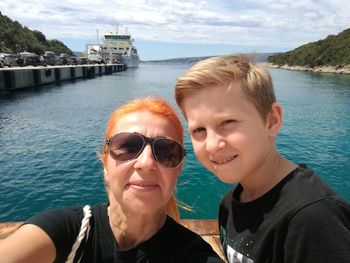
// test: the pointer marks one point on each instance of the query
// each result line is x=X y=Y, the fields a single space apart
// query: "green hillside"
x=15 y=38
x=331 y=51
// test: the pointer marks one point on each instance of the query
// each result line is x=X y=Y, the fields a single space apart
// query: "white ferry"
x=119 y=48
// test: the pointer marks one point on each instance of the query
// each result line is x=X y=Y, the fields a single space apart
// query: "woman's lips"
x=142 y=186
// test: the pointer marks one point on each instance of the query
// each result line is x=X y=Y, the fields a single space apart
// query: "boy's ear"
x=274 y=120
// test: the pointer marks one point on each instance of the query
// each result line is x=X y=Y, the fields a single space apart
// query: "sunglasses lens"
x=125 y=146
x=168 y=152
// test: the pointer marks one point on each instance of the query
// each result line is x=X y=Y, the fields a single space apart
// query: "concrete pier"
x=21 y=78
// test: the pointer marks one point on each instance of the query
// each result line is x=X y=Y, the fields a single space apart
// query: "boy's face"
x=228 y=135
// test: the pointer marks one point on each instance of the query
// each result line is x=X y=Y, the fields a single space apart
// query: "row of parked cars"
x=48 y=59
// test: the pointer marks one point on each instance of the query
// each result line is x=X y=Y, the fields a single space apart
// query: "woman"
x=142 y=159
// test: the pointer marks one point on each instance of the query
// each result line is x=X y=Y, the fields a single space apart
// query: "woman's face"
x=142 y=185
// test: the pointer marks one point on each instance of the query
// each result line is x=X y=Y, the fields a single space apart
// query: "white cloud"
x=282 y=24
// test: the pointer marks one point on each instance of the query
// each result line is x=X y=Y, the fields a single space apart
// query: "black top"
x=299 y=220
x=172 y=243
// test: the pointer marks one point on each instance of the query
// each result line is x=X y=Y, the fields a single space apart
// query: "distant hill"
x=331 y=51
x=258 y=57
x=187 y=60
x=15 y=38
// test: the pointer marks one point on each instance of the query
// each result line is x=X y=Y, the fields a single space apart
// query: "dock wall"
x=21 y=78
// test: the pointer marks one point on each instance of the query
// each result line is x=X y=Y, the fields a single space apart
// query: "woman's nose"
x=145 y=159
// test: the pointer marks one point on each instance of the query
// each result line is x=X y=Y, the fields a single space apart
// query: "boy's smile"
x=219 y=162
x=228 y=134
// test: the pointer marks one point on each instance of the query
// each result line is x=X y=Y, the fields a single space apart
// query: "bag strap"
x=84 y=230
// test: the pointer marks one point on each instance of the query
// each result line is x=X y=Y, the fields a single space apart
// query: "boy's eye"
x=198 y=130
x=228 y=122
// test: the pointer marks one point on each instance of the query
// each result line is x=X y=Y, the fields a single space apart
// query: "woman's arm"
x=28 y=244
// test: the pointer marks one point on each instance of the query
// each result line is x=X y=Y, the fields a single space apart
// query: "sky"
x=164 y=29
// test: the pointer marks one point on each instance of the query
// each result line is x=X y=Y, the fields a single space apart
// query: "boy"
x=279 y=211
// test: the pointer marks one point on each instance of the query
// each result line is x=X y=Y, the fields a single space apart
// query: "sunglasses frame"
x=147 y=140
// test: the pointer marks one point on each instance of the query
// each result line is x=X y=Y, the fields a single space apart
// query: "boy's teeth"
x=224 y=161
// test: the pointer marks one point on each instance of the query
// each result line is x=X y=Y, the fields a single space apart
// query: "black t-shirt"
x=172 y=243
x=299 y=220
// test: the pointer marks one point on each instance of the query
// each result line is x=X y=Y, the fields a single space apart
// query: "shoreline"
x=324 y=69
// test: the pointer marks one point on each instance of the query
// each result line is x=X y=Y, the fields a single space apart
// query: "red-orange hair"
x=156 y=106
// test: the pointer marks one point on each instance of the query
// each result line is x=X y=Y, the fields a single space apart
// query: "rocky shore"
x=325 y=69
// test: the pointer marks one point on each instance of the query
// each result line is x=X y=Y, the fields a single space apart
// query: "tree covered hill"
x=331 y=51
x=15 y=38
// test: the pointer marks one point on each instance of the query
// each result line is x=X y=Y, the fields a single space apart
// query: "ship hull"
x=131 y=61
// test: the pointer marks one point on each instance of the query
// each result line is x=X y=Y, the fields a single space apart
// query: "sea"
x=50 y=137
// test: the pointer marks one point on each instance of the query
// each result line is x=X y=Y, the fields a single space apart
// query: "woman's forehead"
x=146 y=123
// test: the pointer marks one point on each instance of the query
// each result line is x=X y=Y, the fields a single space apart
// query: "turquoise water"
x=49 y=138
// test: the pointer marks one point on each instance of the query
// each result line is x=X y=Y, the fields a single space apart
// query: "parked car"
x=51 y=58
x=65 y=59
x=10 y=60
x=83 y=61
x=42 y=61
x=74 y=60
x=29 y=59
x=2 y=61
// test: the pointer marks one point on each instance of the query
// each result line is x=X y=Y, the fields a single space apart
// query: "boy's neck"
x=269 y=176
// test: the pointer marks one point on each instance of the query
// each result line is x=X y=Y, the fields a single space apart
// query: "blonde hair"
x=256 y=82
x=156 y=106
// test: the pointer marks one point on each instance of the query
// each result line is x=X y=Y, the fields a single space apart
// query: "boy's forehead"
x=218 y=100
x=213 y=97
x=225 y=88
x=232 y=88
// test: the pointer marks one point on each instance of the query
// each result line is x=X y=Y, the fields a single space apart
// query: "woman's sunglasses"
x=127 y=146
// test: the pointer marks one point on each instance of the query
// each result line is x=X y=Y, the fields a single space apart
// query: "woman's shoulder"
x=57 y=215
x=62 y=225
x=72 y=214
